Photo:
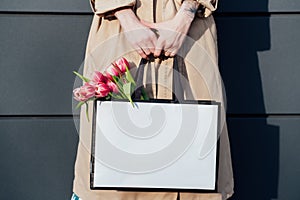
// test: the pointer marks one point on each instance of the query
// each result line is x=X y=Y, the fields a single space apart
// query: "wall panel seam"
x=220 y=13
x=281 y=115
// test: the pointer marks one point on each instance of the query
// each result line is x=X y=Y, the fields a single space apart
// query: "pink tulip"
x=99 y=77
x=85 y=92
x=112 y=86
x=111 y=71
x=122 y=63
x=109 y=77
x=76 y=93
x=102 y=90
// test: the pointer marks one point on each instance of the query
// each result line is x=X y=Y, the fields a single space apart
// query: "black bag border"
x=140 y=189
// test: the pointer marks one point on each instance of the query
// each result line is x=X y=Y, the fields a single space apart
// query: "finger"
x=140 y=52
x=157 y=51
x=168 y=48
x=173 y=52
x=158 y=48
x=152 y=49
x=146 y=51
x=167 y=53
x=152 y=45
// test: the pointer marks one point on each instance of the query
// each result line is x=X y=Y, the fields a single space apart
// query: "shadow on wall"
x=254 y=143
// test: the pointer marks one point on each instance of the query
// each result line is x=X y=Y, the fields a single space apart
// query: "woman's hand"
x=173 y=32
x=141 y=37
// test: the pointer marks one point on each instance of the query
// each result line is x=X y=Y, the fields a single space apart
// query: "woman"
x=151 y=29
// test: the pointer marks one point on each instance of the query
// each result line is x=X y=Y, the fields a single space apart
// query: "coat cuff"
x=207 y=7
x=102 y=7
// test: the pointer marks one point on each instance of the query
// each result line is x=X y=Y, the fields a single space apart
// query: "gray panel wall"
x=42 y=42
x=51 y=46
x=260 y=64
x=37 y=155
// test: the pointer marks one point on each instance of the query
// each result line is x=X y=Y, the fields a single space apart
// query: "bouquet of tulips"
x=115 y=83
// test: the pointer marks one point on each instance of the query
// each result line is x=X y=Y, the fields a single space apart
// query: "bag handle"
x=177 y=90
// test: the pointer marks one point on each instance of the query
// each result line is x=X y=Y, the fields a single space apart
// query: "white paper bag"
x=153 y=146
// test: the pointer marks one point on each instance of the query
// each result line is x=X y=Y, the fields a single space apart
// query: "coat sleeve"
x=207 y=7
x=101 y=7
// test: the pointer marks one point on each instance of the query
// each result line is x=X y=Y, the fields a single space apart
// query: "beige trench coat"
x=106 y=43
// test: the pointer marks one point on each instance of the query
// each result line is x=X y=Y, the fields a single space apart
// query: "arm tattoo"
x=192 y=10
x=190 y=7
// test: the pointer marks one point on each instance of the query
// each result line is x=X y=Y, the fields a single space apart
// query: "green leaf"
x=144 y=95
x=117 y=82
x=115 y=96
x=120 y=87
x=87 y=111
x=79 y=104
x=81 y=77
x=116 y=79
x=127 y=90
x=129 y=76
